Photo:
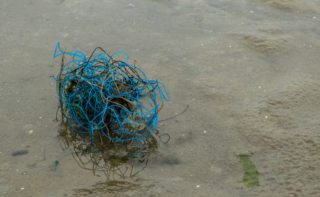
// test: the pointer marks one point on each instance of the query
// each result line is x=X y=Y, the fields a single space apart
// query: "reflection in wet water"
x=114 y=186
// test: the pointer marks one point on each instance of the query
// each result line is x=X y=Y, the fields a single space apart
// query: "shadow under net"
x=115 y=160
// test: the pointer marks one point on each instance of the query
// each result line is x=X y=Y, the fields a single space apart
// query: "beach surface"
x=243 y=77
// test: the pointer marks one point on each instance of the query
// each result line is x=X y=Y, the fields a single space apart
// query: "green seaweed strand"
x=251 y=174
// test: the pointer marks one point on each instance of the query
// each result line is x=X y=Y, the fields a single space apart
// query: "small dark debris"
x=20 y=152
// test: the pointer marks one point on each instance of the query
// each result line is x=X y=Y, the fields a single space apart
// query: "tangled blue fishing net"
x=106 y=97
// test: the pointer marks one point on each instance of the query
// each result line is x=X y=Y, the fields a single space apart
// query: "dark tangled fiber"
x=102 y=95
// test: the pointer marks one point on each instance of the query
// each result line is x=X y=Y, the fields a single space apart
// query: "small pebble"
x=198 y=186
x=22 y=188
x=266 y=117
x=204 y=131
x=131 y=5
x=30 y=131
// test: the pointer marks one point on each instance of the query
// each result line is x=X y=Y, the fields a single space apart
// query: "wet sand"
x=248 y=71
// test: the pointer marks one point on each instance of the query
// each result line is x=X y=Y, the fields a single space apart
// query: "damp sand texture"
x=243 y=77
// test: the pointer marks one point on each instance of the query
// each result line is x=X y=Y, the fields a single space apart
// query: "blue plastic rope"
x=102 y=94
